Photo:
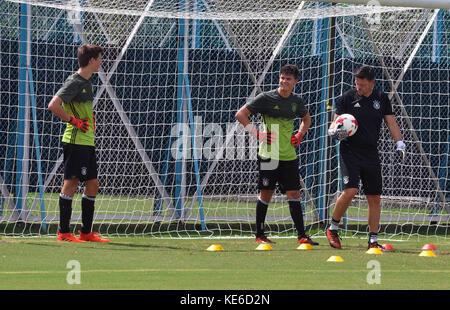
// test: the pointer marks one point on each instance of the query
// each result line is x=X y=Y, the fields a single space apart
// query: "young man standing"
x=277 y=158
x=73 y=103
x=358 y=154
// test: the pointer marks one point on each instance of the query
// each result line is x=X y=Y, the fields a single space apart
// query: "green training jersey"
x=278 y=115
x=77 y=94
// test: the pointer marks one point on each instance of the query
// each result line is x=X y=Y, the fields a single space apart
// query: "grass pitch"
x=145 y=263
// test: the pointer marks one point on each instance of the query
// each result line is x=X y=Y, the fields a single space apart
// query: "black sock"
x=65 y=213
x=297 y=216
x=87 y=213
x=261 y=211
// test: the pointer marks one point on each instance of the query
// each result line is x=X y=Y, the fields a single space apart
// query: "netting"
x=172 y=159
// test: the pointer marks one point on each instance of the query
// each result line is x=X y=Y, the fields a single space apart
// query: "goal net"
x=172 y=159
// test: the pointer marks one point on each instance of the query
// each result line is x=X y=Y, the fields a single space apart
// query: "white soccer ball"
x=348 y=122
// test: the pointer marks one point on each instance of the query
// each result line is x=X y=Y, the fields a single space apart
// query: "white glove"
x=338 y=133
x=401 y=150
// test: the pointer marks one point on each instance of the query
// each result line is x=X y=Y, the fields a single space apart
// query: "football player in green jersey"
x=277 y=158
x=73 y=103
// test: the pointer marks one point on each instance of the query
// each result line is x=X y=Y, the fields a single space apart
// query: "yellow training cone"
x=335 y=259
x=374 y=251
x=215 y=247
x=427 y=253
x=264 y=247
x=305 y=246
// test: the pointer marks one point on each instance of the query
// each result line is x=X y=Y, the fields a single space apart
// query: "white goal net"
x=172 y=159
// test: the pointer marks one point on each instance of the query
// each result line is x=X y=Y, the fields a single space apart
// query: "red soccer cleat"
x=375 y=245
x=263 y=239
x=92 y=237
x=333 y=238
x=306 y=239
x=68 y=237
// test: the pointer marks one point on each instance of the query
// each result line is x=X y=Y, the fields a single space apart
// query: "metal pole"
x=23 y=127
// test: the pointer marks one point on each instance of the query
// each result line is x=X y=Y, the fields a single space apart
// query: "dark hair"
x=290 y=69
x=86 y=52
x=365 y=72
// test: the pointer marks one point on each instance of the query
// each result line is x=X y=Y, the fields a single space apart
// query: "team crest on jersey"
x=345 y=179
x=294 y=106
x=376 y=104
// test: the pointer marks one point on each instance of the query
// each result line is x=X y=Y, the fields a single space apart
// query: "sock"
x=261 y=211
x=65 y=213
x=87 y=213
x=334 y=224
x=297 y=216
x=373 y=237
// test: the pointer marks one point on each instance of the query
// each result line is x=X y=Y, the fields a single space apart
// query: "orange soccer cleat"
x=68 y=237
x=92 y=237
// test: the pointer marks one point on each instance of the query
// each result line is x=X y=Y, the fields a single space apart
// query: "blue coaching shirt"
x=369 y=113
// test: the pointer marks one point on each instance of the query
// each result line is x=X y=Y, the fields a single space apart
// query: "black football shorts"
x=354 y=170
x=79 y=162
x=286 y=174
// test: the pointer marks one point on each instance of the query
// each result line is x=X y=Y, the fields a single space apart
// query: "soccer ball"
x=348 y=122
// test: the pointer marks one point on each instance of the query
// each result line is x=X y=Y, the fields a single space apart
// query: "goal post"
x=173 y=161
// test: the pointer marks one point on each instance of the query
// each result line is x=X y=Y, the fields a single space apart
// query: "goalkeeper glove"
x=338 y=133
x=266 y=137
x=81 y=124
x=401 y=150
x=296 y=138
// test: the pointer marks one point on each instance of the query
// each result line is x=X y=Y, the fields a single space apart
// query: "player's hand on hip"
x=81 y=124
x=338 y=133
x=401 y=150
x=266 y=137
x=296 y=138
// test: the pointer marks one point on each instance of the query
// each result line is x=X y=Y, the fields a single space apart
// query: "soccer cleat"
x=306 y=239
x=375 y=245
x=263 y=239
x=68 y=237
x=333 y=238
x=92 y=237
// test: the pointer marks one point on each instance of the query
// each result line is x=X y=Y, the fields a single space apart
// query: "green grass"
x=131 y=263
